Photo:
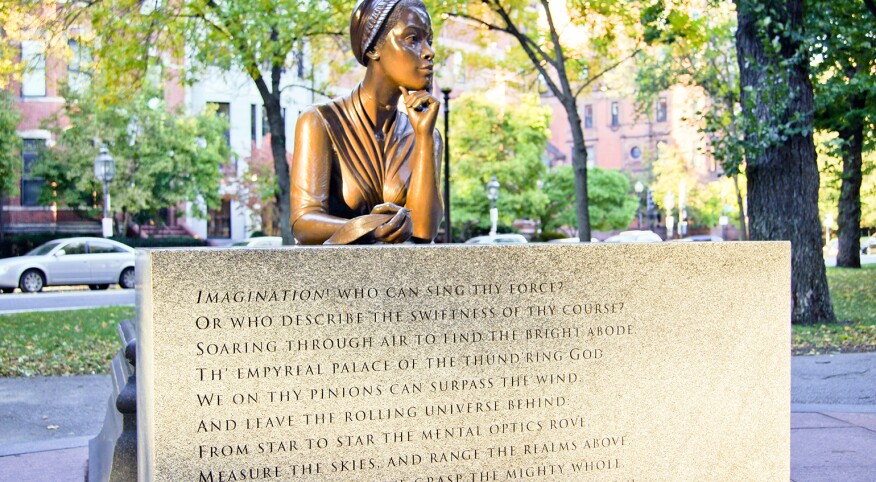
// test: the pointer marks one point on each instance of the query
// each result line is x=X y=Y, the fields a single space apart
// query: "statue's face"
x=406 y=56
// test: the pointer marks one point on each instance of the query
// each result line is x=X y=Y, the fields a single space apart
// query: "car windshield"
x=43 y=249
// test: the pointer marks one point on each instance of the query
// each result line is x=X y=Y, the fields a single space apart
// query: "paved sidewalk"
x=833 y=422
x=833 y=418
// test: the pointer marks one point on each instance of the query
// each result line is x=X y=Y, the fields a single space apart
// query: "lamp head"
x=104 y=166
x=493 y=189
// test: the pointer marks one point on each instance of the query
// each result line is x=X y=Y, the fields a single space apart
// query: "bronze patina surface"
x=359 y=155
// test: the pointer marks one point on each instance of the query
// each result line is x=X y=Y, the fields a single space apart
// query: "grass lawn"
x=853 y=292
x=75 y=342
x=81 y=342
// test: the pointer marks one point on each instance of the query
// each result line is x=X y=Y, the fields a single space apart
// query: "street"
x=63 y=300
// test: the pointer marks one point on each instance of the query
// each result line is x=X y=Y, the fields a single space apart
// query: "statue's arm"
x=424 y=195
x=311 y=175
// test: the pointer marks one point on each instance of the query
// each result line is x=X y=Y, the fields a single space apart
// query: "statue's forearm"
x=424 y=197
x=315 y=228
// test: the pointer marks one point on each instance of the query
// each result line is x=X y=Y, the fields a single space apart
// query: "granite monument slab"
x=465 y=363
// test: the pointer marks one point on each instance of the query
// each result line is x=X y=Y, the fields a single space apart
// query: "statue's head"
x=398 y=34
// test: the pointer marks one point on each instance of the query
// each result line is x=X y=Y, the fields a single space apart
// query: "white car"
x=635 y=236
x=260 y=242
x=498 y=239
x=95 y=262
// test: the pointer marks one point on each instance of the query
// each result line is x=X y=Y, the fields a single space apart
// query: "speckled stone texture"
x=465 y=363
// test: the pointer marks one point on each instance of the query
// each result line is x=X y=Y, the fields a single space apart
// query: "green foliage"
x=50 y=343
x=485 y=142
x=611 y=204
x=170 y=242
x=559 y=188
x=769 y=116
x=18 y=244
x=163 y=158
x=698 y=53
x=704 y=203
x=831 y=168
x=10 y=144
x=841 y=45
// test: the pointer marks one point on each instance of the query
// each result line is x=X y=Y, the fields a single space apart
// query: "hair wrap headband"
x=365 y=24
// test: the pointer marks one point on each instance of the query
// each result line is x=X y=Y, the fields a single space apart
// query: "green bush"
x=19 y=244
x=551 y=235
x=179 y=242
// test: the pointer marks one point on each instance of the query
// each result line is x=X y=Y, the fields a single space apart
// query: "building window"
x=662 y=109
x=591 y=157
x=266 y=124
x=615 y=114
x=78 y=76
x=459 y=68
x=219 y=222
x=636 y=153
x=588 y=116
x=33 y=81
x=30 y=185
x=223 y=109
x=300 y=68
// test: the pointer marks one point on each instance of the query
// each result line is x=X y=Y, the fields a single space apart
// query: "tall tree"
x=10 y=145
x=698 y=51
x=162 y=157
x=782 y=173
x=841 y=45
x=492 y=140
x=135 y=39
x=570 y=50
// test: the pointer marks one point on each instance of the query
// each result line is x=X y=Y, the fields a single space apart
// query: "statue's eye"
x=413 y=39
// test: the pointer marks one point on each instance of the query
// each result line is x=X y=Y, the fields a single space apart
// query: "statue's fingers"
x=386 y=208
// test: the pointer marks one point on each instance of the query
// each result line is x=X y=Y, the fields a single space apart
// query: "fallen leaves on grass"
x=837 y=338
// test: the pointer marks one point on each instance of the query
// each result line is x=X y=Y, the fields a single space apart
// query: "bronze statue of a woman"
x=363 y=171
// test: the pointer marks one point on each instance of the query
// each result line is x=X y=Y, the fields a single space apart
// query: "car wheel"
x=32 y=281
x=8 y=290
x=127 y=279
x=98 y=287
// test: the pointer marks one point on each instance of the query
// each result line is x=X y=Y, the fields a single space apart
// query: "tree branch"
x=309 y=89
x=607 y=70
x=525 y=42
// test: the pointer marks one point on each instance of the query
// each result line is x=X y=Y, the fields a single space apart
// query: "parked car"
x=260 y=242
x=570 y=240
x=498 y=239
x=634 y=236
x=699 y=238
x=868 y=246
x=95 y=262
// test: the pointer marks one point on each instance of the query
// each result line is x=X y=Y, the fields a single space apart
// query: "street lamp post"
x=448 y=234
x=105 y=171
x=493 y=195
x=669 y=204
x=639 y=188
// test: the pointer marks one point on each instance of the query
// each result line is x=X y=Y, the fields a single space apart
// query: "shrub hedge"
x=18 y=244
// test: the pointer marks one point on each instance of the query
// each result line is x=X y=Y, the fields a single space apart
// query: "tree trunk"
x=579 y=164
x=743 y=228
x=281 y=166
x=849 y=253
x=783 y=177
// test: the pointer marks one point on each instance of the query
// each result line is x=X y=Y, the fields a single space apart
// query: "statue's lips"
x=428 y=69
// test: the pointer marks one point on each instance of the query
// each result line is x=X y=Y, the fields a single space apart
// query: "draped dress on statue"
x=362 y=171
